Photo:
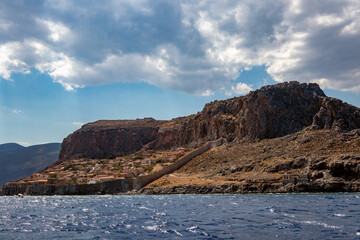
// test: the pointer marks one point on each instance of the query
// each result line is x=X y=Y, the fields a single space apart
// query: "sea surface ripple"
x=252 y=216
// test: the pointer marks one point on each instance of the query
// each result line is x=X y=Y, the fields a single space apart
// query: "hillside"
x=288 y=137
x=18 y=162
x=7 y=147
x=331 y=159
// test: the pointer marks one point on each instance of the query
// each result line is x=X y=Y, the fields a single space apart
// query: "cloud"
x=79 y=124
x=17 y=111
x=239 y=89
x=197 y=47
x=25 y=144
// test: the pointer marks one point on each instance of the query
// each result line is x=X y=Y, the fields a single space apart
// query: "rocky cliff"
x=270 y=112
x=106 y=139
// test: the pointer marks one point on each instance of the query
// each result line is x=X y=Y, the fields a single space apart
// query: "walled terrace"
x=93 y=171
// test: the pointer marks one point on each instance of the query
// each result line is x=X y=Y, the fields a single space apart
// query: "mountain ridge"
x=272 y=111
x=23 y=161
x=7 y=147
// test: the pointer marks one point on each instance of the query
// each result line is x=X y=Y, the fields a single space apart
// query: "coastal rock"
x=270 y=112
x=106 y=139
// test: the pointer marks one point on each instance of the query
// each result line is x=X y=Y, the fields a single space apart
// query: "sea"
x=248 y=216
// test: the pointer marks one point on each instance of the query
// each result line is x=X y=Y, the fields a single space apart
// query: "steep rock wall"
x=104 y=139
x=272 y=111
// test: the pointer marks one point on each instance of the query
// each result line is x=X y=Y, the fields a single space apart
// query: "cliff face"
x=272 y=111
x=104 y=139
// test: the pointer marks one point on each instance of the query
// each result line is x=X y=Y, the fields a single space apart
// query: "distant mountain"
x=17 y=161
x=7 y=147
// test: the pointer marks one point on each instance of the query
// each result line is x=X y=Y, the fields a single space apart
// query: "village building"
x=295 y=178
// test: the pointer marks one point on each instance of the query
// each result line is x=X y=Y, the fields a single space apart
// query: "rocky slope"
x=270 y=112
x=331 y=159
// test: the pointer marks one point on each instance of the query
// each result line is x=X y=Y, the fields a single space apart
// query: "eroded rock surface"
x=103 y=139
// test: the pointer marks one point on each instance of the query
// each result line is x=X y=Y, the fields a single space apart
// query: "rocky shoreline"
x=312 y=187
x=315 y=187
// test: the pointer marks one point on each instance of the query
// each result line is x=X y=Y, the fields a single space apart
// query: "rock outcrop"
x=270 y=112
x=104 y=139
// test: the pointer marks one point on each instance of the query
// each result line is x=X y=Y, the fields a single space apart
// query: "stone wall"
x=110 y=187
x=142 y=181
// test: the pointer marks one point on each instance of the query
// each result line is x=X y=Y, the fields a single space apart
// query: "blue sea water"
x=253 y=216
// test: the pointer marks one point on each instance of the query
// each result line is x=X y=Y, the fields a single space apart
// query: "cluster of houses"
x=91 y=171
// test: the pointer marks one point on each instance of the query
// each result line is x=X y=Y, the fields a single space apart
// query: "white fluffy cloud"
x=196 y=47
x=239 y=89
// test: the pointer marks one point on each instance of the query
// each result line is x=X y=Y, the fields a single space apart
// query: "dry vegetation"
x=316 y=152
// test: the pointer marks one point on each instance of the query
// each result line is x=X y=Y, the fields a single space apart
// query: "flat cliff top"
x=122 y=124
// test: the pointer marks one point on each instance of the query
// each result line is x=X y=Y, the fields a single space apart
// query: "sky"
x=65 y=63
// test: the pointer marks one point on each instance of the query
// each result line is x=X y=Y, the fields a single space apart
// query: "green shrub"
x=53 y=176
x=138 y=156
x=148 y=168
x=68 y=167
x=74 y=180
x=118 y=168
x=159 y=160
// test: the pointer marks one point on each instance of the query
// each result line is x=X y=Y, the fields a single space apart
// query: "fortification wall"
x=145 y=180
